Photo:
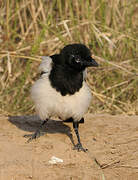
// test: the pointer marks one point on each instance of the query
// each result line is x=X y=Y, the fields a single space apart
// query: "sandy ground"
x=112 y=142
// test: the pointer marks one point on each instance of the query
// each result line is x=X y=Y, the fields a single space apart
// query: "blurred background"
x=30 y=29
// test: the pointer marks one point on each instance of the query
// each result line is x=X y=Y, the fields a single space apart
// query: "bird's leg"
x=79 y=145
x=37 y=132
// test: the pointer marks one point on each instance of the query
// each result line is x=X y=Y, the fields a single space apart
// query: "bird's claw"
x=79 y=148
x=32 y=136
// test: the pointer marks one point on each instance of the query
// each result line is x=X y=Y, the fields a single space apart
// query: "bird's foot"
x=79 y=148
x=32 y=136
x=37 y=134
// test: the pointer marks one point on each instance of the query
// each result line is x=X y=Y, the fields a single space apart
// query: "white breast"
x=49 y=102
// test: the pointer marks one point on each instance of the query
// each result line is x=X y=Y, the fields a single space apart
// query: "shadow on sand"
x=32 y=123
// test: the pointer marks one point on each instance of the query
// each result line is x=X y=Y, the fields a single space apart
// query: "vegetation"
x=32 y=28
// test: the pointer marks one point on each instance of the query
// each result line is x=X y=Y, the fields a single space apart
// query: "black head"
x=77 y=56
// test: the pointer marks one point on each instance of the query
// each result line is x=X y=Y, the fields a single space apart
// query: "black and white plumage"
x=62 y=90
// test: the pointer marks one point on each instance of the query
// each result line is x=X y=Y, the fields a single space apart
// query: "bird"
x=62 y=89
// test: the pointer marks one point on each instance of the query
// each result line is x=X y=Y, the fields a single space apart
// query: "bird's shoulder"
x=46 y=65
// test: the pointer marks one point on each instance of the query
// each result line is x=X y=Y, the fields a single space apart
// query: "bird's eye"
x=77 y=60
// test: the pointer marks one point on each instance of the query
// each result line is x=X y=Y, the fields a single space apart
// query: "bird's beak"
x=90 y=62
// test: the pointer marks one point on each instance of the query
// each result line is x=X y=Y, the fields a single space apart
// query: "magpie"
x=62 y=90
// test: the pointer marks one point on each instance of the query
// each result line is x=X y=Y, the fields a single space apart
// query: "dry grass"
x=29 y=29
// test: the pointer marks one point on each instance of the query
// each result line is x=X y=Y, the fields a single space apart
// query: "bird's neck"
x=65 y=79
